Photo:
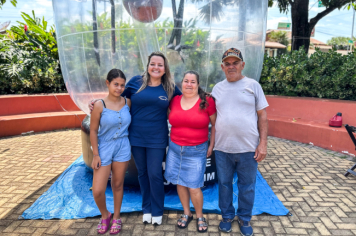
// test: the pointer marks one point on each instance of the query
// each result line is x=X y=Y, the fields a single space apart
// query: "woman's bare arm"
x=94 y=127
x=212 y=135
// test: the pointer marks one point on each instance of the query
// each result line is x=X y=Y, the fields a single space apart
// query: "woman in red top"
x=190 y=115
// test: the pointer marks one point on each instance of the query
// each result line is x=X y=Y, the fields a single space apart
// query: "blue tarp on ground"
x=70 y=198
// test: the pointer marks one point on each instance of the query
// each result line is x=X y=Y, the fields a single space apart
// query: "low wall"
x=306 y=120
x=38 y=113
x=27 y=104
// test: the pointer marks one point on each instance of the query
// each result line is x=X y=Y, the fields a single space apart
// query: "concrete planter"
x=306 y=120
x=24 y=113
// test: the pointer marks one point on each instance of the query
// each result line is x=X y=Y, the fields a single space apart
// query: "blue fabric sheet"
x=70 y=198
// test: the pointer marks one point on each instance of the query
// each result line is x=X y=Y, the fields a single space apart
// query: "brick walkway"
x=308 y=180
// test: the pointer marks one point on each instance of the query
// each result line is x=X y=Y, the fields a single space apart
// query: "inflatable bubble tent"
x=95 y=36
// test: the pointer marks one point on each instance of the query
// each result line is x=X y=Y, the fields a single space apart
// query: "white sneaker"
x=157 y=220
x=147 y=218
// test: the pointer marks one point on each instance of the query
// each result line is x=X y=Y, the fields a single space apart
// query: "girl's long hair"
x=166 y=79
x=114 y=74
x=202 y=94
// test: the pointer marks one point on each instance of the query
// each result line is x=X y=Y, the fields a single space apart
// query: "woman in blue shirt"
x=148 y=133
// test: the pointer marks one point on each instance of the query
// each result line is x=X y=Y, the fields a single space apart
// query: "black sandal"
x=186 y=223
x=202 y=225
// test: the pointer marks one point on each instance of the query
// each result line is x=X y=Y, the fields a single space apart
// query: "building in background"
x=271 y=48
x=274 y=48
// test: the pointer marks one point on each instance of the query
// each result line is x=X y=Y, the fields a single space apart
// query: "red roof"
x=316 y=42
x=269 y=44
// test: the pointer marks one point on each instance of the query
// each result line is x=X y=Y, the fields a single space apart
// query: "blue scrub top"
x=149 y=126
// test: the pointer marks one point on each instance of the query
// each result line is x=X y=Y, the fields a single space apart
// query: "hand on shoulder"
x=97 y=106
x=91 y=104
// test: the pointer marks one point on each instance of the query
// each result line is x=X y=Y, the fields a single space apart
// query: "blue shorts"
x=185 y=165
x=115 y=150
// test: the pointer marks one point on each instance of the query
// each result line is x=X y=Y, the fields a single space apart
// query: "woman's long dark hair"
x=202 y=94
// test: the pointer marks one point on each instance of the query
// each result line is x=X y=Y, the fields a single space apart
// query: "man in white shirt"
x=240 y=139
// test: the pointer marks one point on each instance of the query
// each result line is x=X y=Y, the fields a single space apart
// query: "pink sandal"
x=116 y=227
x=104 y=225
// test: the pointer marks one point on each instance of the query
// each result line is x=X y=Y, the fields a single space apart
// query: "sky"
x=337 y=23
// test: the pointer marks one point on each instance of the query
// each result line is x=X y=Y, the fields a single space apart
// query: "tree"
x=301 y=25
x=279 y=36
x=2 y=2
x=339 y=41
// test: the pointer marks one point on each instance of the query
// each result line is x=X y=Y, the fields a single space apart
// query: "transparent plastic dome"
x=95 y=36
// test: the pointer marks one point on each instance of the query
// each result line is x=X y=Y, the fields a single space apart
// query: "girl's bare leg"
x=100 y=181
x=117 y=185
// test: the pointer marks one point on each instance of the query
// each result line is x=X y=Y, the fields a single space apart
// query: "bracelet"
x=95 y=155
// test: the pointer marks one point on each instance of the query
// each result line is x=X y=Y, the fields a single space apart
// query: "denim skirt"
x=185 y=165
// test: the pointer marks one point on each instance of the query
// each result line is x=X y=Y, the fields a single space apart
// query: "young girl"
x=109 y=124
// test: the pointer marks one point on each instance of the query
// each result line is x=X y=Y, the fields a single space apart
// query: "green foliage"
x=324 y=75
x=353 y=5
x=29 y=60
x=284 y=5
x=37 y=34
x=338 y=41
x=270 y=3
x=337 y=3
x=27 y=71
x=2 y=2
x=341 y=43
x=279 y=36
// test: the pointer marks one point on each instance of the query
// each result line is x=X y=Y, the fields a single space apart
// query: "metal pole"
x=353 y=23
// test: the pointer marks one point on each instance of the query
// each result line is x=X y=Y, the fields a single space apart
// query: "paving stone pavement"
x=308 y=180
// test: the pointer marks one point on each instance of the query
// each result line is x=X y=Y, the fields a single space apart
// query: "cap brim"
x=232 y=56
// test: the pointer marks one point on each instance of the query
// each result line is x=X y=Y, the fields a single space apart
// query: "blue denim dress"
x=114 y=144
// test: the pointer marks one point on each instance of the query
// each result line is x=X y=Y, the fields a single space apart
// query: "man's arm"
x=262 y=123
